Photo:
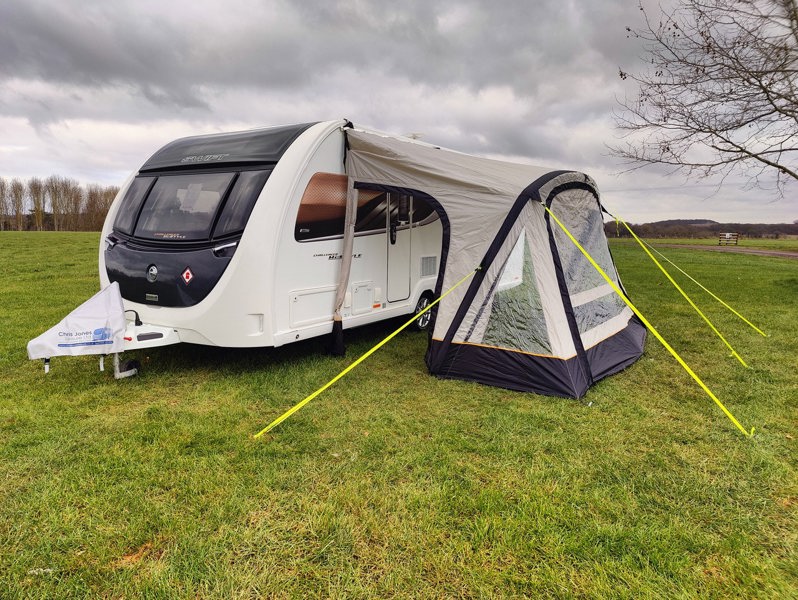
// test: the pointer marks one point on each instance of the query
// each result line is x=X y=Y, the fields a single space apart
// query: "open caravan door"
x=98 y=326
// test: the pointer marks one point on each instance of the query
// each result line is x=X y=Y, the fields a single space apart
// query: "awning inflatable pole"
x=698 y=283
x=684 y=294
x=299 y=405
x=649 y=326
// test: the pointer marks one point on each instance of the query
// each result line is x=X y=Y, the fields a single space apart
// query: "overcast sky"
x=90 y=89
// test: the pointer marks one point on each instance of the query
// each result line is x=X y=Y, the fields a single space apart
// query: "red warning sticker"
x=187 y=276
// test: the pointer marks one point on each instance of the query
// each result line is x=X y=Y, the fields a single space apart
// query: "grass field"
x=394 y=483
x=789 y=244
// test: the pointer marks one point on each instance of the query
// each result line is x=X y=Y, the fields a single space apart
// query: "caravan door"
x=398 y=215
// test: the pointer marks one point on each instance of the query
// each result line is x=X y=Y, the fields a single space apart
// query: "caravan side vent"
x=429 y=266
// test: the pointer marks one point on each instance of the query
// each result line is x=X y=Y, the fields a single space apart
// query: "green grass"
x=789 y=244
x=394 y=483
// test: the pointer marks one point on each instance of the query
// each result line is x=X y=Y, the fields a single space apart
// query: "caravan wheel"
x=422 y=323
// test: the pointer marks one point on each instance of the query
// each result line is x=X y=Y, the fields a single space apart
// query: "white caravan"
x=236 y=240
x=266 y=237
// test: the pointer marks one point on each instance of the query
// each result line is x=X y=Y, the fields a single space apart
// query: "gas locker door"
x=398 y=215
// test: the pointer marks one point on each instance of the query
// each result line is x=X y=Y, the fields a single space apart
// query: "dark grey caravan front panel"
x=182 y=217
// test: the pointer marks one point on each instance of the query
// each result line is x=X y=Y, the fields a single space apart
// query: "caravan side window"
x=322 y=209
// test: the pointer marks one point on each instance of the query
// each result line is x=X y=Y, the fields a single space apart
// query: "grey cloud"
x=530 y=79
x=508 y=43
x=100 y=46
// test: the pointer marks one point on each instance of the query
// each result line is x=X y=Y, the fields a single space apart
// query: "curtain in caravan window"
x=182 y=207
x=593 y=299
x=323 y=208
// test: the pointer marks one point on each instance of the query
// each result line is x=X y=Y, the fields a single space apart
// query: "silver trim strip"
x=223 y=246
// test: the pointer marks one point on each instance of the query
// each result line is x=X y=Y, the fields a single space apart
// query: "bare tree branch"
x=721 y=92
x=4 y=204
x=72 y=207
x=37 y=195
x=17 y=195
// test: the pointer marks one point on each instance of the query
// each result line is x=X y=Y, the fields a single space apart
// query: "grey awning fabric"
x=476 y=193
x=489 y=206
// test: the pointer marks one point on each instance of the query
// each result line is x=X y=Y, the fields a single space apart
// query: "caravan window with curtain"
x=184 y=207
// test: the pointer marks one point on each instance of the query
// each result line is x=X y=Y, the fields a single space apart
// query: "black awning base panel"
x=512 y=370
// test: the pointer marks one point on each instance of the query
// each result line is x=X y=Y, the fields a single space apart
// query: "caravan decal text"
x=98 y=337
x=335 y=255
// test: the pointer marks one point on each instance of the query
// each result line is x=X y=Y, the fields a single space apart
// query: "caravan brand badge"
x=187 y=276
x=201 y=158
x=152 y=273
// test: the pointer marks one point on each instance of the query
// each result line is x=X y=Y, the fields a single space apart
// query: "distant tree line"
x=687 y=228
x=55 y=203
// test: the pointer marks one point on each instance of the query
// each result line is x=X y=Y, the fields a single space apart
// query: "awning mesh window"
x=593 y=300
x=516 y=319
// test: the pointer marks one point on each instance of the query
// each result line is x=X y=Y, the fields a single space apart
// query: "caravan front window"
x=129 y=209
x=240 y=203
x=182 y=207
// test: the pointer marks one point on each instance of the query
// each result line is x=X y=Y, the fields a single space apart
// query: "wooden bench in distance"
x=728 y=239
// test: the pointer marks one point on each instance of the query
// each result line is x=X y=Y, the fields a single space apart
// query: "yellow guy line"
x=296 y=407
x=684 y=294
x=754 y=327
x=650 y=327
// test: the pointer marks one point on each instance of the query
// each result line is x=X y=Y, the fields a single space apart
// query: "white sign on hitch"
x=98 y=326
